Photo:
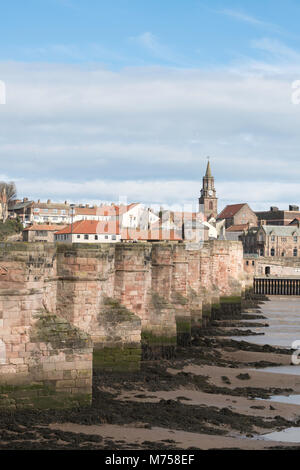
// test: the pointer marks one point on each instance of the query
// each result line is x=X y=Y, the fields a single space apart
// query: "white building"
x=89 y=231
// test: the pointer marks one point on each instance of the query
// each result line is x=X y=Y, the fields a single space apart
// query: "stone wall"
x=126 y=301
x=45 y=361
x=279 y=266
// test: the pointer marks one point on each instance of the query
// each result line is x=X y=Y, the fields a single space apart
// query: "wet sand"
x=213 y=395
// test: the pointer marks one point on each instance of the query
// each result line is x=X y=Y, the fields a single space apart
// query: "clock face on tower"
x=210 y=192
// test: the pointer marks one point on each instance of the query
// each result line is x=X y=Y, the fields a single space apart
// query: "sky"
x=124 y=100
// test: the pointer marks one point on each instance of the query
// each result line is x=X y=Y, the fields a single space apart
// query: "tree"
x=8 y=192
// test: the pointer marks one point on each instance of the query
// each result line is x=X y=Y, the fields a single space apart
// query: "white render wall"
x=102 y=238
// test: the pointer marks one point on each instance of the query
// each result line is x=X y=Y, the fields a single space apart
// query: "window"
x=283 y=239
x=78 y=236
x=273 y=238
x=211 y=206
x=295 y=252
x=295 y=239
x=36 y=210
x=86 y=237
x=283 y=253
x=114 y=237
x=54 y=211
x=96 y=237
x=253 y=263
x=106 y=237
x=272 y=251
x=46 y=218
x=247 y=263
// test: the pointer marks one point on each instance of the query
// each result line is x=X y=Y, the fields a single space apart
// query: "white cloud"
x=151 y=44
x=252 y=20
x=87 y=133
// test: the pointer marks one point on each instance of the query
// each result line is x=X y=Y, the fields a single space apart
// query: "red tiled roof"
x=230 y=211
x=237 y=228
x=92 y=227
x=49 y=228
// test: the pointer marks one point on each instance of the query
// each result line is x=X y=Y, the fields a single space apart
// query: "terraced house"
x=274 y=240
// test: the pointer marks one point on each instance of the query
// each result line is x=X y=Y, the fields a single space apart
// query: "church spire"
x=208 y=170
x=208 y=201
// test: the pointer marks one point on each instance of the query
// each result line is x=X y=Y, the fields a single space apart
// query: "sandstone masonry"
x=61 y=308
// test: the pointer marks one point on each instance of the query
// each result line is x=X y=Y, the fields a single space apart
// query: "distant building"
x=40 y=233
x=273 y=240
x=90 y=231
x=40 y=212
x=133 y=215
x=238 y=214
x=275 y=216
x=208 y=201
x=236 y=231
x=22 y=210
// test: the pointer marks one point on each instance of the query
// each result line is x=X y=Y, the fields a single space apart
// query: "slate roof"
x=281 y=230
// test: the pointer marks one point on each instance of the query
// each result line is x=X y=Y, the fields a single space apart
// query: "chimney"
x=25 y=199
x=87 y=206
x=39 y=201
x=66 y=202
x=49 y=201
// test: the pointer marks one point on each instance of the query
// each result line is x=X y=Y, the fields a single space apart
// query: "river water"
x=283 y=317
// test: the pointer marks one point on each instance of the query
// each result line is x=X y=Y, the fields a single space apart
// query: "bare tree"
x=8 y=192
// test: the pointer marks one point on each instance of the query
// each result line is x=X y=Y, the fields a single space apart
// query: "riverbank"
x=204 y=398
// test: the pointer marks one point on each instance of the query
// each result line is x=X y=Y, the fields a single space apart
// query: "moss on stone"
x=154 y=339
x=50 y=328
x=230 y=299
x=114 y=312
x=159 y=302
x=179 y=299
x=183 y=325
x=117 y=358
x=41 y=396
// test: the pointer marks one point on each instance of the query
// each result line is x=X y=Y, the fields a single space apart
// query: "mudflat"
x=214 y=394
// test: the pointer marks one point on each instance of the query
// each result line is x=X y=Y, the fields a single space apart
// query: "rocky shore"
x=204 y=398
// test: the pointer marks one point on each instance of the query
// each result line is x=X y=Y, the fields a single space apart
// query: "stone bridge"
x=66 y=309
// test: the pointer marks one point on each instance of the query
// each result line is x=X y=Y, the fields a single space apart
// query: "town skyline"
x=93 y=113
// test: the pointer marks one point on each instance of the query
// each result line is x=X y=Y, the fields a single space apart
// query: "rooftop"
x=92 y=227
x=231 y=210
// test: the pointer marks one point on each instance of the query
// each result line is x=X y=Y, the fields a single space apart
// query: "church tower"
x=208 y=202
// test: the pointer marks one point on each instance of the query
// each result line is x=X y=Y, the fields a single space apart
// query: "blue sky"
x=127 y=98
x=120 y=33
